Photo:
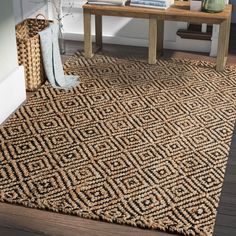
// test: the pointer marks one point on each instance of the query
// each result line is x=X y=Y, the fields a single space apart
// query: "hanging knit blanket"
x=52 y=59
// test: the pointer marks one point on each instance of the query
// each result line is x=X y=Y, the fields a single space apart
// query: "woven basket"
x=29 y=51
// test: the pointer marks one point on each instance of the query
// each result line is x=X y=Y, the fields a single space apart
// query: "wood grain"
x=160 y=36
x=227 y=36
x=178 y=12
x=222 y=45
x=226 y=217
x=87 y=35
x=152 y=49
x=98 y=30
x=39 y=222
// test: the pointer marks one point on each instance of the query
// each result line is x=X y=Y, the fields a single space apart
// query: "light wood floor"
x=21 y=221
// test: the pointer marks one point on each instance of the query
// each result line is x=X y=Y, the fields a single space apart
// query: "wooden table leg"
x=98 y=29
x=228 y=35
x=88 y=49
x=152 y=40
x=160 y=37
x=222 y=46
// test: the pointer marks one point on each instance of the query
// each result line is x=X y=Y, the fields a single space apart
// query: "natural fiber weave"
x=29 y=51
x=136 y=144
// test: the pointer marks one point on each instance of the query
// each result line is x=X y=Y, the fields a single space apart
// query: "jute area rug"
x=135 y=144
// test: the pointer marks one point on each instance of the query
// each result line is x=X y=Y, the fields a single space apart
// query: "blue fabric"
x=52 y=59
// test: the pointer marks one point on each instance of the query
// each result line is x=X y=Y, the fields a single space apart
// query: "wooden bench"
x=178 y=12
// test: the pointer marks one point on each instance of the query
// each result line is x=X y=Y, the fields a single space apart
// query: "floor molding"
x=179 y=44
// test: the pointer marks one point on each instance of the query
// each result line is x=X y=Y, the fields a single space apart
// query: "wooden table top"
x=180 y=10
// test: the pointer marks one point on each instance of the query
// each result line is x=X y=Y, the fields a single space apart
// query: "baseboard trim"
x=179 y=44
x=110 y=39
x=12 y=92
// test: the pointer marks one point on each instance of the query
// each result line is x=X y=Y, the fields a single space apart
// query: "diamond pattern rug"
x=136 y=144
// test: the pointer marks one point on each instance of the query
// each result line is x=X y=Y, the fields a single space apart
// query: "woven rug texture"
x=135 y=144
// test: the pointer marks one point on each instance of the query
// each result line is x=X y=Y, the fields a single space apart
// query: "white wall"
x=28 y=8
x=12 y=83
x=8 y=55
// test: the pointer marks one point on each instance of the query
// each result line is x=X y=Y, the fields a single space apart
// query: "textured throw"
x=52 y=59
x=136 y=144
